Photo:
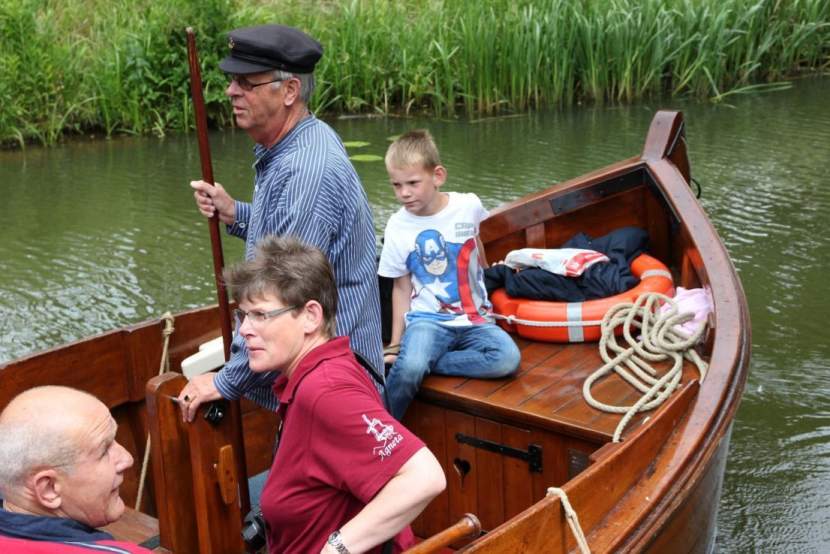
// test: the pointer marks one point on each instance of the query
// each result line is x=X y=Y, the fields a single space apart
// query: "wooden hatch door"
x=494 y=469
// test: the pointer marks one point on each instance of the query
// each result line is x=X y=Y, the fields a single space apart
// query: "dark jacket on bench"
x=598 y=281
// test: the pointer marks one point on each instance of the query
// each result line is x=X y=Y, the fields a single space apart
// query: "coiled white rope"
x=658 y=341
x=573 y=520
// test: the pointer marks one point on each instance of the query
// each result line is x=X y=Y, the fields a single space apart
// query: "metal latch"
x=533 y=455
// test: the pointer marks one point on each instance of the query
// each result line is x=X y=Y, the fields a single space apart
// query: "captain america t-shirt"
x=440 y=253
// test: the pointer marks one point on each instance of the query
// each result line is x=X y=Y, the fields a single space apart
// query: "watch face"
x=337 y=543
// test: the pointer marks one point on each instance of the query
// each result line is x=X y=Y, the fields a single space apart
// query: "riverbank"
x=119 y=67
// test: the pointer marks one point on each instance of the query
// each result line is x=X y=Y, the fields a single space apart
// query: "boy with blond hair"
x=441 y=317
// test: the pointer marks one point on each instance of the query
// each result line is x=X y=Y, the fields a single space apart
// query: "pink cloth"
x=697 y=301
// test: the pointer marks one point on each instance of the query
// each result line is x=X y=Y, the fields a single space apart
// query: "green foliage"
x=120 y=66
x=116 y=66
x=40 y=78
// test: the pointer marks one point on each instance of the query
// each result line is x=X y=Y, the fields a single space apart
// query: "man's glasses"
x=259 y=317
x=247 y=85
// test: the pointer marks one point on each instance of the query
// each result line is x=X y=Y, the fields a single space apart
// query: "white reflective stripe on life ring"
x=655 y=273
x=575 y=332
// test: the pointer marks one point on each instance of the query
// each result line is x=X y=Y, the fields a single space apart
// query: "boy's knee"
x=508 y=359
x=410 y=368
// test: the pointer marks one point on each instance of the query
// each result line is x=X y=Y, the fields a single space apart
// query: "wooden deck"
x=546 y=392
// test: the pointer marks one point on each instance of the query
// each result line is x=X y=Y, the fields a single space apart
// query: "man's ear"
x=292 y=91
x=439 y=174
x=46 y=489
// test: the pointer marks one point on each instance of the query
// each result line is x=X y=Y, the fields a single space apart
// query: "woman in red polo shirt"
x=347 y=476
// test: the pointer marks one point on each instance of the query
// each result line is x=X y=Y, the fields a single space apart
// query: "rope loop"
x=649 y=337
x=164 y=366
x=166 y=332
x=573 y=520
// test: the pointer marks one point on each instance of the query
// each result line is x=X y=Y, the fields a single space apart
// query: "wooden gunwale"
x=534 y=208
x=709 y=420
x=714 y=410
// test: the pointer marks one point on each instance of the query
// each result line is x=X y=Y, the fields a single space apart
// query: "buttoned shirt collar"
x=262 y=152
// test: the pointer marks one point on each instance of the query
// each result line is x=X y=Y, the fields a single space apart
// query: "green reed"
x=119 y=66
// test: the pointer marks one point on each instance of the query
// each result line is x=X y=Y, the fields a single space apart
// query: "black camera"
x=254 y=530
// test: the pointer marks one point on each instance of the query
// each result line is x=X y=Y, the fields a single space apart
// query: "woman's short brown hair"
x=291 y=270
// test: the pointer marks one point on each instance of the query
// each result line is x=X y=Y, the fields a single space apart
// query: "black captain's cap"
x=268 y=47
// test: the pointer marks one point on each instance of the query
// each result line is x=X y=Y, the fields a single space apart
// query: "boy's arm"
x=401 y=299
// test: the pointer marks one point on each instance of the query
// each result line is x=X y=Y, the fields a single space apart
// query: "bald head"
x=54 y=442
x=39 y=428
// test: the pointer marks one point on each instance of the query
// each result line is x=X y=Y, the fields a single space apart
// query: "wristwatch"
x=336 y=541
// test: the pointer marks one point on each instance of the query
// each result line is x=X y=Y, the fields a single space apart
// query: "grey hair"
x=306 y=83
x=28 y=446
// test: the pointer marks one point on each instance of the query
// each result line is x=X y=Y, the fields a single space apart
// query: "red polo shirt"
x=338 y=448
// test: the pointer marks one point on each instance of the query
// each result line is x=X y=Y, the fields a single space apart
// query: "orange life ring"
x=654 y=277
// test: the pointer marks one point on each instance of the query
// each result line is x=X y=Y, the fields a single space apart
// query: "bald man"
x=60 y=470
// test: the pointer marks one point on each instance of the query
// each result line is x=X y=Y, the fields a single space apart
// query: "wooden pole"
x=216 y=248
x=207 y=176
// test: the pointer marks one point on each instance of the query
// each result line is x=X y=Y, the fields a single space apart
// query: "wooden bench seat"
x=546 y=392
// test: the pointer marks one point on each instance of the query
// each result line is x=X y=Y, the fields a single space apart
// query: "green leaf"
x=366 y=158
x=356 y=144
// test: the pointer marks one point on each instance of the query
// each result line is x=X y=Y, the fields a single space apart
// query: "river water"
x=104 y=233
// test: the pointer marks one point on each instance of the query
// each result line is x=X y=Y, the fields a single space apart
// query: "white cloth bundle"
x=570 y=262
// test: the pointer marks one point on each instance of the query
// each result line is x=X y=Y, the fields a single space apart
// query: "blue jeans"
x=429 y=347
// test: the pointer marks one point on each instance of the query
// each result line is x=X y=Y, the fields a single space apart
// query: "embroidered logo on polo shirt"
x=384 y=434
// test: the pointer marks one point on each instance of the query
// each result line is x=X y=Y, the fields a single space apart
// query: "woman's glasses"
x=258 y=317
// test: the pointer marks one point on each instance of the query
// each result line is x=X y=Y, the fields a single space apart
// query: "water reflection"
x=105 y=233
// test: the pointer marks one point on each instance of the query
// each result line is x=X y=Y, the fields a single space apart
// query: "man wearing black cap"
x=305 y=186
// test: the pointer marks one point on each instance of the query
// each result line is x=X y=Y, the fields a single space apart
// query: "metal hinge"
x=533 y=454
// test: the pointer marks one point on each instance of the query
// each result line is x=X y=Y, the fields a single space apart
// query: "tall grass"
x=119 y=66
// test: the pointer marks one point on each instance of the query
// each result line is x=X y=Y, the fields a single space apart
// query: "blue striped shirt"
x=305 y=186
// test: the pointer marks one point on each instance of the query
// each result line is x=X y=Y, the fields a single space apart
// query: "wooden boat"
x=502 y=442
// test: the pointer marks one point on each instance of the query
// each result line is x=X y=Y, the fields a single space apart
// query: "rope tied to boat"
x=166 y=333
x=658 y=341
x=571 y=517
x=164 y=366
